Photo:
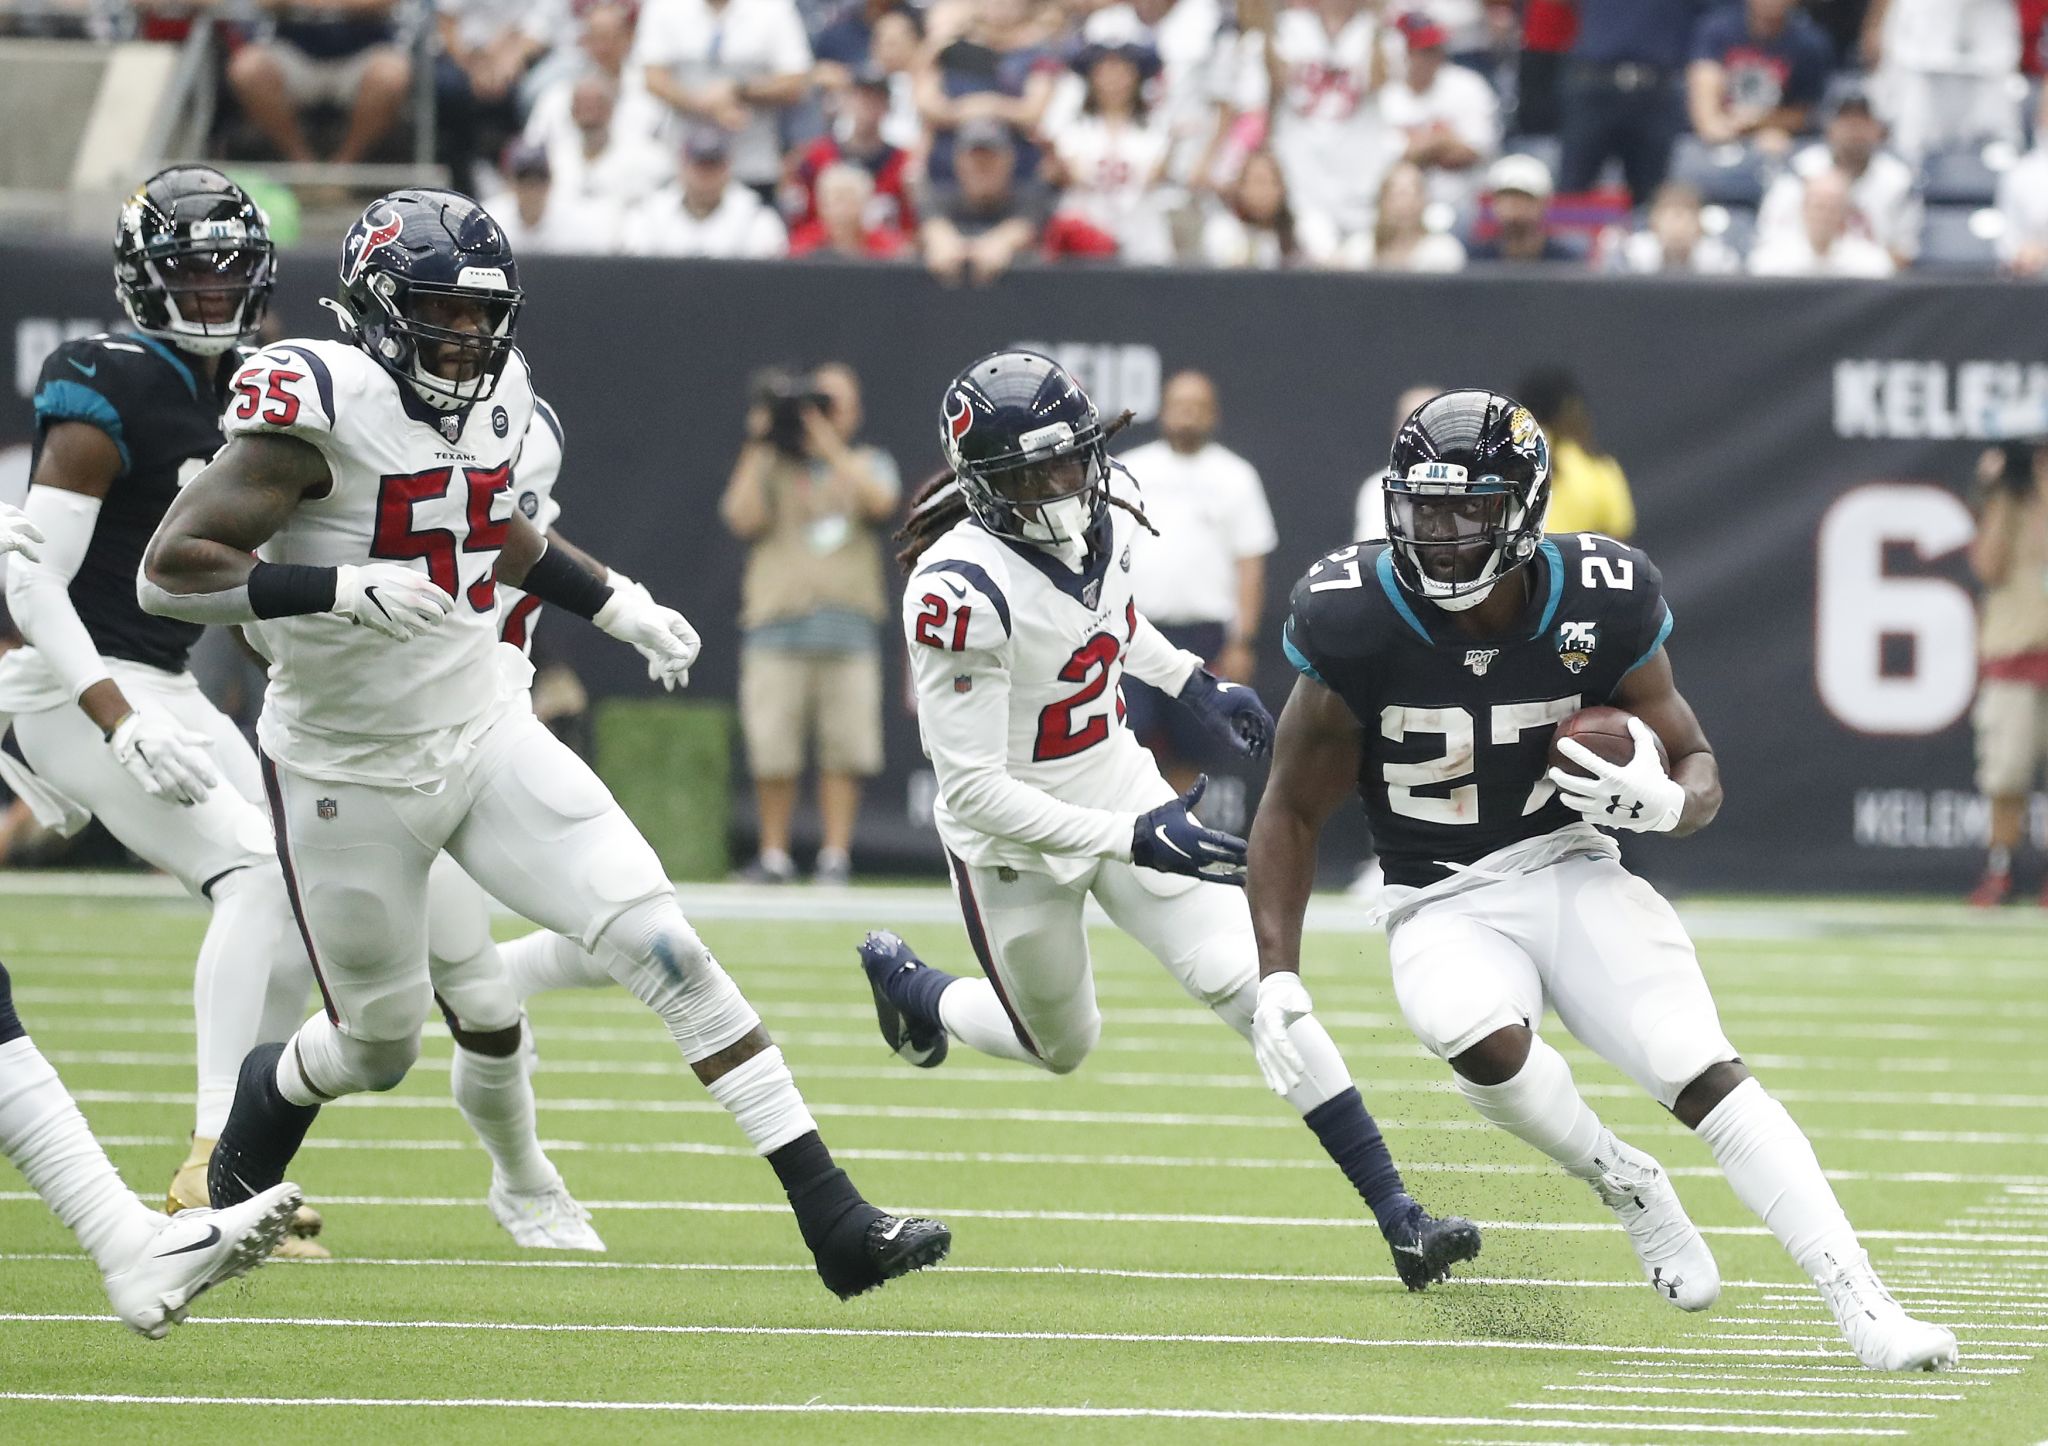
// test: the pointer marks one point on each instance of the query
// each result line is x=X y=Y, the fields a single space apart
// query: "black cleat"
x=889 y=964
x=879 y=1251
x=1426 y=1248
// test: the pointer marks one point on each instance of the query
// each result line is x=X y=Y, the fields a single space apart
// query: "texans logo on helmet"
x=958 y=423
x=379 y=234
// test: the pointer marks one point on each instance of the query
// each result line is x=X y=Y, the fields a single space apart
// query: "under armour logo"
x=1614 y=805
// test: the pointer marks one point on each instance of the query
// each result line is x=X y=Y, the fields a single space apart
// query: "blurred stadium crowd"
x=1831 y=137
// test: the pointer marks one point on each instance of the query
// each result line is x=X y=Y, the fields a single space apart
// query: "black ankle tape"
x=10 y=1023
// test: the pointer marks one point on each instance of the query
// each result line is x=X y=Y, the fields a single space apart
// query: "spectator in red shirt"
x=856 y=139
x=841 y=229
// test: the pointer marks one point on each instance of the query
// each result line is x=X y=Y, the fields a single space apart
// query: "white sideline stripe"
x=901 y=1333
x=1832 y=1414
x=829 y=1408
x=1279 y=1121
x=1246 y=1079
x=1774 y=1395
x=1097 y=1217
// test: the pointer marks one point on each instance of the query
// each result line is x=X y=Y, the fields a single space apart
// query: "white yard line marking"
x=1832 y=1414
x=863 y=1408
x=1770 y=1394
x=899 y=1333
x=1739 y=1376
x=1104 y=1217
x=1847 y=1369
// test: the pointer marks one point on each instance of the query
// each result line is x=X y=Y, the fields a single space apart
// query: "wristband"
x=560 y=580
x=290 y=589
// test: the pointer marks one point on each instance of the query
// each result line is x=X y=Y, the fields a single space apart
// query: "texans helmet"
x=1026 y=446
x=429 y=288
x=193 y=262
x=1467 y=487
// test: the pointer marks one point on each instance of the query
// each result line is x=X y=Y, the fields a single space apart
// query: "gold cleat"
x=188 y=1192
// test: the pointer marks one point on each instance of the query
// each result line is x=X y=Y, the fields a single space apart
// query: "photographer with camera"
x=2010 y=558
x=809 y=501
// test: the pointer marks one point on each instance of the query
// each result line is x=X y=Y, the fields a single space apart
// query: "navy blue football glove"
x=1172 y=840
x=1231 y=711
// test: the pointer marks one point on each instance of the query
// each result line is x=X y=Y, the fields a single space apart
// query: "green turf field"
x=1150 y=1250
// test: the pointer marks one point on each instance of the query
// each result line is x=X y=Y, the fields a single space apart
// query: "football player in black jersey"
x=106 y=717
x=1434 y=668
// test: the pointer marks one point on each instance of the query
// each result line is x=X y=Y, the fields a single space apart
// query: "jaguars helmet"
x=1026 y=447
x=193 y=261
x=430 y=289
x=1467 y=487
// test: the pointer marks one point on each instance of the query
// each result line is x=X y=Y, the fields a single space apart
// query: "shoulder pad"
x=83 y=381
x=291 y=387
x=957 y=605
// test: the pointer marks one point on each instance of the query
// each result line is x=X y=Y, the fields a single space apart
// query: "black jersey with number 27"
x=1456 y=729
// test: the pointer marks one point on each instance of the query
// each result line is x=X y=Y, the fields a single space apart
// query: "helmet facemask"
x=203 y=290
x=1050 y=494
x=1454 y=537
x=449 y=343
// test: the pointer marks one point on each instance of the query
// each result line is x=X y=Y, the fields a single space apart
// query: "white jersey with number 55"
x=1017 y=660
x=425 y=490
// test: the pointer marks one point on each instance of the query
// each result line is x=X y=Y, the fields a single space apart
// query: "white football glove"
x=18 y=534
x=389 y=599
x=659 y=634
x=1283 y=999
x=1637 y=795
x=168 y=759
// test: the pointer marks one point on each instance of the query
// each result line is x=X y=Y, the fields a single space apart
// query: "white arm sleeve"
x=1152 y=659
x=39 y=593
x=967 y=734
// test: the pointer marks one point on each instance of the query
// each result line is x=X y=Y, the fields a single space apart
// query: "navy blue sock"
x=1353 y=1140
x=263 y=1132
x=916 y=991
x=10 y=1022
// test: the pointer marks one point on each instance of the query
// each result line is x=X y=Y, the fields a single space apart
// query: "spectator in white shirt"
x=1112 y=156
x=2023 y=202
x=604 y=42
x=1202 y=580
x=1883 y=204
x=1325 y=66
x=1675 y=241
x=1199 y=74
x=486 y=48
x=539 y=216
x=1824 y=245
x=736 y=64
x=591 y=158
x=1400 y=239
x=1448 y=114
x=1262 y=229
x=708 y=212
x=1947 y=71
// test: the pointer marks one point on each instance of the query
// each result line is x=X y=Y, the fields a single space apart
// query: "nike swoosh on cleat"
x=1415 y=1250
x=212 y=1238
x=91 y=371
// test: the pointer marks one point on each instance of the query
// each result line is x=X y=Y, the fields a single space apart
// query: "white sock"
x=973 y=1015
x=495 y=1095
x=1324 y=1074
x=542 y=961
x=1542 y=1106
x=46 y=1137
x=763 y=1099
x=251 y=952
x=1773 y=1171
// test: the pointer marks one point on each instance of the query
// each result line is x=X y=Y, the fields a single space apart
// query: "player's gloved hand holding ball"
x=1172 y=840
x=659 y=634
x=1637 y=795
x=1283 y=999
x=168 y=759
x=389 y=598
x=18 y=534
x=1231 y=711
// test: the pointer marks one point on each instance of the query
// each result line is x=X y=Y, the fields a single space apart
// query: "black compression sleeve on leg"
x=10 y=1022
x=558 y=578
x=290 y=589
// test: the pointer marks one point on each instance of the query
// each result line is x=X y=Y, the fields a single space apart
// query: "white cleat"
x=1883 y=1336
x=1675 y=1257
x=194 y=1251
x=544 y=1219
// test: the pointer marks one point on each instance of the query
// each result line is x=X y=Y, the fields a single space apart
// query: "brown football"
x=1603 y=731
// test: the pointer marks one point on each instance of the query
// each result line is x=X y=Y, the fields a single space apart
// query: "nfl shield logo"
x=451 y=427
x=963 y=683
x=326 y=808
x=1092 y=593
